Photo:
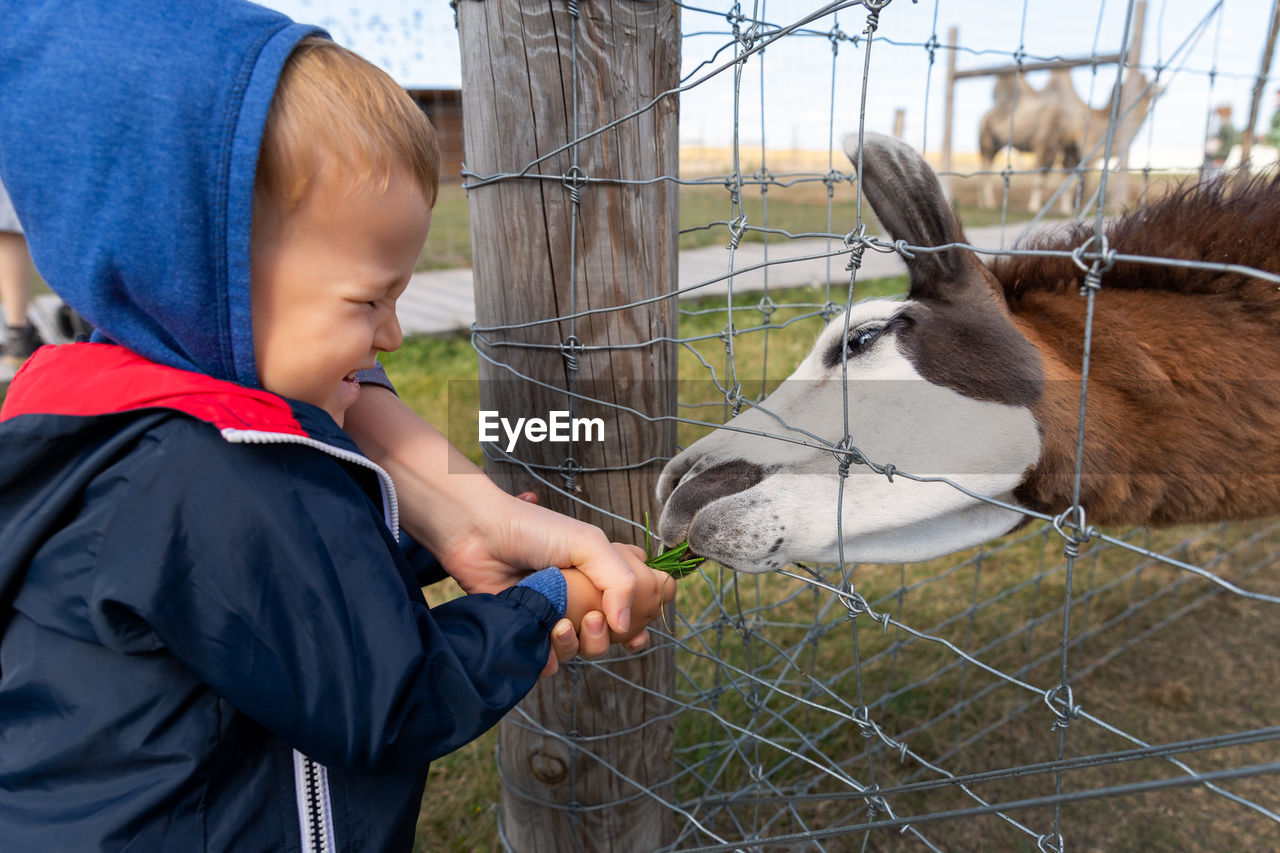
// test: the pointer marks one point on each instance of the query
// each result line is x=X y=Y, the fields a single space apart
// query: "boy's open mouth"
x=350 y=377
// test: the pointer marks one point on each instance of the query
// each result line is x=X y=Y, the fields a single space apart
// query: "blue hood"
x=129 y=135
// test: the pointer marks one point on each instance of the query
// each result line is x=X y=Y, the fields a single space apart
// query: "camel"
x=1054 y=124
x=976 y=377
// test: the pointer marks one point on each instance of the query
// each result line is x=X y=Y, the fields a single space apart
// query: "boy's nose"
x=389 y=336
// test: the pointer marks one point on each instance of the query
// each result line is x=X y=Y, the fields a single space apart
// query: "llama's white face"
x=761 y=493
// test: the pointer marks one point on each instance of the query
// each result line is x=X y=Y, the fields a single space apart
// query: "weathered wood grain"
x=533 y=263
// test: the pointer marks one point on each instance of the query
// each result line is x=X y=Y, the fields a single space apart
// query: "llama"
x=1054 y=124
x=976 y=377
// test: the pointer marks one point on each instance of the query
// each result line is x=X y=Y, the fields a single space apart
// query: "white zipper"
x=315 y=812
x=390 y=504
x=310 y=778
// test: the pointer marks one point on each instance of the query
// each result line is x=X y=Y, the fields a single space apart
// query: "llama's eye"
x=860 y=338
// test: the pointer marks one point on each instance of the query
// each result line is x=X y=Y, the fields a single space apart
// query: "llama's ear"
x=909 y=202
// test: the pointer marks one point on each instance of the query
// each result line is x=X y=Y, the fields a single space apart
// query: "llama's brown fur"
x=1184 y=386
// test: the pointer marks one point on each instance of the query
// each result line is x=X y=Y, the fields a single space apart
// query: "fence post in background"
x=559 y=235
x=948 y=114
x=1255 y=97
x=1127 y=129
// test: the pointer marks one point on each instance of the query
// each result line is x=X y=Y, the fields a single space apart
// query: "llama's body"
x=976 y=377
x=1184 y=384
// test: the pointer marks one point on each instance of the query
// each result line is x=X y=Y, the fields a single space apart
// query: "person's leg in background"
x=20 y=338
x=15 y=293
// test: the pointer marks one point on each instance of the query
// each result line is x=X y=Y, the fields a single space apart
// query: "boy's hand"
x=592 y=637
x=653 y=589
x=494 y=562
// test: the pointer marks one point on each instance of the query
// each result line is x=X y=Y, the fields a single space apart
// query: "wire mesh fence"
x=1061 y=686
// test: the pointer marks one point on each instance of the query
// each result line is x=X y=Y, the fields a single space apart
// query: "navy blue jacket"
x=200 y=590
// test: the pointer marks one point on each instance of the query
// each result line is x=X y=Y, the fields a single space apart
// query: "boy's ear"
x=909 y=202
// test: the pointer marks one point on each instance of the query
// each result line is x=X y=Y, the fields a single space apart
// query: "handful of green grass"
x=676 y=561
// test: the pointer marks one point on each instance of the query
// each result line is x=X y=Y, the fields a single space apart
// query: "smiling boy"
x=210 y=638
x=326 y=277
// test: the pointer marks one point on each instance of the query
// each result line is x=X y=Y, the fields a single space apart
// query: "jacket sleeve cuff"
x=532 y=600
x=550 y=582
x=375 y=376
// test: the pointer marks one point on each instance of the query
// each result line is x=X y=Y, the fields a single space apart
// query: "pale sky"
x=791 y=84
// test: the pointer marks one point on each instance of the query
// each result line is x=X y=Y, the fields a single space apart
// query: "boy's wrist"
x=550 y=583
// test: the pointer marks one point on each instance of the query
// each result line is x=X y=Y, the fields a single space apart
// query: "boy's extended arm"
x=485 y=538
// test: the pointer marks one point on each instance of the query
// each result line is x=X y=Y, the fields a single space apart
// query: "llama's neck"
x=1183 y=408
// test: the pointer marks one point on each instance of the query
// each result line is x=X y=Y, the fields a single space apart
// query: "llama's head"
x=937 y=385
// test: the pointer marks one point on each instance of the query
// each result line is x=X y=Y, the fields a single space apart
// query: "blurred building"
x=444 y=107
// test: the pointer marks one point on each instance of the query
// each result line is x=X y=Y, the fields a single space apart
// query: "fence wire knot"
x=861 y=717
x=1062 y=716
x=734 y=398
x=856 y=242
x=855 y=259
x=1103 y=259
x=744 y=36
x=829 y=310
x=855 y=604
x=873 y=8
x=846 y=455
x=832 y=178
x=574 y=180
x=736 y=229
x=857 y=237
x=733 y=184
x=837 y=35
x=571 y=349
x=931 y=46
x=876 y=804
x=1071 y=526
x=1051 y=843
x=569 y=470
x=766 y=307
x=734 y=18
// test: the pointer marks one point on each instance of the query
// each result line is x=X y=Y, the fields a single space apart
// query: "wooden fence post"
x=563 y=236
x=948 y=115
x=1127 y=128
x=1260 y=82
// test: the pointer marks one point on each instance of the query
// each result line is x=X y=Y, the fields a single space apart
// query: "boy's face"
x=325 y=279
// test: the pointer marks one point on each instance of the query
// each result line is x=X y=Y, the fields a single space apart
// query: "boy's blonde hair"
x=332 y=107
